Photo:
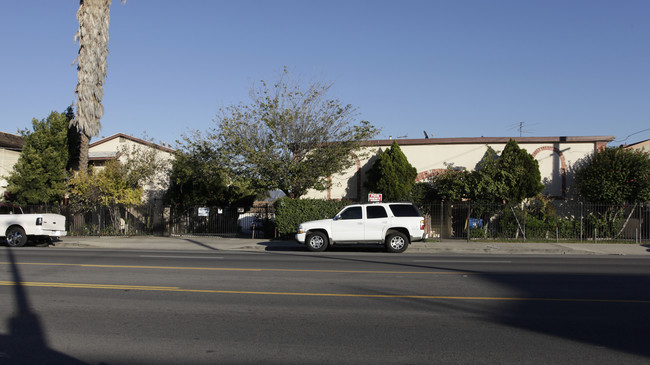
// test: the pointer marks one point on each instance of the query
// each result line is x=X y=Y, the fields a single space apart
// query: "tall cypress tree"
x=391 y=175
x=39 y=175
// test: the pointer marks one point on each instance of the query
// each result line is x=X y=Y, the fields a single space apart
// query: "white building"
x=118 y=145
x=10 y=147
x=556 y=157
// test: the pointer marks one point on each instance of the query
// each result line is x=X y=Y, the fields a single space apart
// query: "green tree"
x=39 y=175
x=118 y=183
x=107 y=186
x=391 y=174
x=199 y=178
x=512 y=177
x=614 y=175
x=289 y=137
x=451 y=185
x=521 y=173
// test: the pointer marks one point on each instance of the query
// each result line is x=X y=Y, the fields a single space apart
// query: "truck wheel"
x=316 y=242
x=16 y=237
x=396 y=242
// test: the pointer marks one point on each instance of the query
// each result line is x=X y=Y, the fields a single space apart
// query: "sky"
x=453 y=68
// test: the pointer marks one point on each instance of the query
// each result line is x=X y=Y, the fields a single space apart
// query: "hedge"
x=289 y=213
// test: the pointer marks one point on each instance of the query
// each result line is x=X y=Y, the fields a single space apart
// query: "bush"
x=289 y=213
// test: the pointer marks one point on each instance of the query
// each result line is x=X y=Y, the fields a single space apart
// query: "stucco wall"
x=641 y=146
x=556 y=157
x=119 y=143
x=8 y=159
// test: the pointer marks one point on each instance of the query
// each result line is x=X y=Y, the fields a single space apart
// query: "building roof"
x=102 y=156
x=488 y=140
x=639 y=144
x=131 y=138
x=11 y=141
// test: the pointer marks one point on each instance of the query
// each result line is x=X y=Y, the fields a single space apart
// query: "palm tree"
x=93 y=16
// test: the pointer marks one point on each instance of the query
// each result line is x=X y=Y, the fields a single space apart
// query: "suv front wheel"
x=316 y=242
x=396 y=242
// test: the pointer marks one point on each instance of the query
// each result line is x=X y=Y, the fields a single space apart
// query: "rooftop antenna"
x=521 y=127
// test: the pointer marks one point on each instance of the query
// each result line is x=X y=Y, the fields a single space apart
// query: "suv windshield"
x=404 y=210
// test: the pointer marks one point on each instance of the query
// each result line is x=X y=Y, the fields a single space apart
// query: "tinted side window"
x=376 y=212
x=351 y=213
x=5 y=209
x=404 y=210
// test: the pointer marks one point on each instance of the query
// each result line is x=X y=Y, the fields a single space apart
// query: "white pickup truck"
x=16 y=227
x=394 y=225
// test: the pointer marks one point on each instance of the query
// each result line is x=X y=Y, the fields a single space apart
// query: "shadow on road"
x=26 y=343
x=289 y=246
x=599 y=307
x=605 y=310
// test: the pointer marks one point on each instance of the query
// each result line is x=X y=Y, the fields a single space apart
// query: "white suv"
x=395 y=225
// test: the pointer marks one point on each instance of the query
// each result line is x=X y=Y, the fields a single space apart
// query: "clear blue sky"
x=455 y=68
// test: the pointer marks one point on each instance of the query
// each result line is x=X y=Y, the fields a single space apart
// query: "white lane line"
x=465 y=261
x=182 y=257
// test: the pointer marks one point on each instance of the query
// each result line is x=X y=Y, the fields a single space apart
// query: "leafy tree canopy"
x=391 y=174
x=452 y=185
x=615 y=175
x=289 y=137
x=511 y=177
x=199 y=178
x=39 y=175
x=118 y=181
x=106 y=186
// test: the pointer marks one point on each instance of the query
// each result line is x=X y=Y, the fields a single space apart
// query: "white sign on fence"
x=204 y=212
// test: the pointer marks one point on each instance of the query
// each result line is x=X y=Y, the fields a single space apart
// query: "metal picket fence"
x=117 y=220
x=251 y=222
x=539 y=221
x=558 y=221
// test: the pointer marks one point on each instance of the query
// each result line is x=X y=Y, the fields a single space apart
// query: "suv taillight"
x=422 y=224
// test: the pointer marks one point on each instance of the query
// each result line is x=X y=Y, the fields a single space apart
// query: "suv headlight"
x=300 y=229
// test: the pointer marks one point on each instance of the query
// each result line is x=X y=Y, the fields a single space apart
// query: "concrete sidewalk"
x=435 y=247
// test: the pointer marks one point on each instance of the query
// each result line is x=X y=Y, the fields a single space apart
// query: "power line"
x=625 y=139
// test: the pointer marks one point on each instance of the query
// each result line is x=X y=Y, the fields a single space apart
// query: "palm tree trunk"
x=94 y=18
x=84 y=141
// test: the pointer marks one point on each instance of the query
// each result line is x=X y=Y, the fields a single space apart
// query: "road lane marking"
x=182 y=257
x=239 y=269
x=339 y=295
x=466 y=261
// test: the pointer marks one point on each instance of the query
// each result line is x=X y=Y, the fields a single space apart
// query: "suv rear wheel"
x=316 y=242
x=396 y=242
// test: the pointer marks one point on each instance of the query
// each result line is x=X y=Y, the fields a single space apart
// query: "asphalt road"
x=78 y=306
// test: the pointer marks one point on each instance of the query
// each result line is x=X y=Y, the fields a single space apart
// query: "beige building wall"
x=8 y=159
x=556 y=157
x=641 y=146
x=113 y=147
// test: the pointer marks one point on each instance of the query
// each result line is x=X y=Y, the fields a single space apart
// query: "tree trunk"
x=94 y=18
x=84 y=141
